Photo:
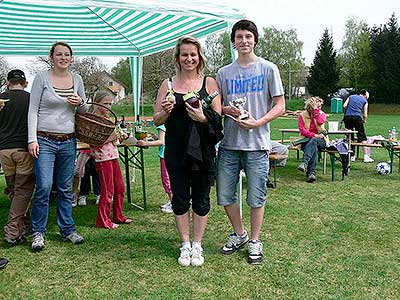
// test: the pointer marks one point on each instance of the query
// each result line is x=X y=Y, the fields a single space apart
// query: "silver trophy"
x=239 y=104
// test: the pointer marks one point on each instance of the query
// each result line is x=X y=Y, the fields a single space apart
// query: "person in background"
x=55 y=96
x=355 y=116
x=280 y=149
x=192 y=133
x=246 y=143
x=160 y=142
x=85 y=169
x=14 y=156
x=107 y=165
x=311 y=125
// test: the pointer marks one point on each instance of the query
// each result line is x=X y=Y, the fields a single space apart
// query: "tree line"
x=369 y=58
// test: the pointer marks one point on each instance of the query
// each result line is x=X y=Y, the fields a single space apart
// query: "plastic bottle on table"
x=394 y=134
x=390 y=138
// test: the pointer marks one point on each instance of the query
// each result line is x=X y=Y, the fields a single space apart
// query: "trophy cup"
x=239 y=103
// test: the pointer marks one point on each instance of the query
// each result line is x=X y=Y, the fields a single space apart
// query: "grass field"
x=321 y=241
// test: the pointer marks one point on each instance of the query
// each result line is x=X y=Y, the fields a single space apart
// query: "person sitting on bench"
x=311 y=125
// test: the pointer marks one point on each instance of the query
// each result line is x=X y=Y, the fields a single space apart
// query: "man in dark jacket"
x=15 y=159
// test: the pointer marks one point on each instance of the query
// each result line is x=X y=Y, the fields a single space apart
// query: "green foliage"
x=122 y=72
x=283 y=48
x=156 y=68
x=218 y=53
x=385 y=51
x=354 y=61
x=324 y=77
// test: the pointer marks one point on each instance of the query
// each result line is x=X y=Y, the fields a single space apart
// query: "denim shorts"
x=254 y=163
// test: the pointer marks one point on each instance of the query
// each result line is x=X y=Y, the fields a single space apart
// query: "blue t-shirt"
x=162 y=147
x=355 y=105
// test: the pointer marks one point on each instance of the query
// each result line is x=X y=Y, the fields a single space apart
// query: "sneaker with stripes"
x=235 y=242
x=256 y=255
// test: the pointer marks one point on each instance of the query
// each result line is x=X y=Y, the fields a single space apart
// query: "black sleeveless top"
x=179 y=134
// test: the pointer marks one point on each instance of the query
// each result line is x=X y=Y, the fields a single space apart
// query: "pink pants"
x=112 y=193
x=165 y=177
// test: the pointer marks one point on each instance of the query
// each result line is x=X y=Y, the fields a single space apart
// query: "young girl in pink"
x=112 y=184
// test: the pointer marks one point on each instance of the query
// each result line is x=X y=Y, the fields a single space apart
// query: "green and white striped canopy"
x=132 y=28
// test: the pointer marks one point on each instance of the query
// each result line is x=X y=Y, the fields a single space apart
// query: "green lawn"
x=322 y=241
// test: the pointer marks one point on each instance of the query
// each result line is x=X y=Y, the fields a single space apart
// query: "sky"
x=308 y=17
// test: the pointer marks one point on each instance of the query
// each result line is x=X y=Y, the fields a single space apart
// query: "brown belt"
x=61 y=137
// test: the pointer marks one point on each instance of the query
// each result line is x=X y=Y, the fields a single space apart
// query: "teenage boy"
x=246 y=141
x=14 y=156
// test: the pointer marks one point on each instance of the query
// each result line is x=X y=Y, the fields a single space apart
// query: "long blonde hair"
x=309 y=103
x=187 y=39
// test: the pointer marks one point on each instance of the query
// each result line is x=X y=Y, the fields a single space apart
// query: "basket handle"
x=103 y=106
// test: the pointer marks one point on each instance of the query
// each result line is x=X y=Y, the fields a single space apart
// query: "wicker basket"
x=93 y=129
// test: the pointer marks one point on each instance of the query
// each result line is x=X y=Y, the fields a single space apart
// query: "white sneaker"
x=197 y=256
x=184 y=258
x=74 y=199
x=368 y=159
x=167 y=209
x=82 y=200
x=353 y=158
x=165 y=204
x=37 y=241
x=97 y=199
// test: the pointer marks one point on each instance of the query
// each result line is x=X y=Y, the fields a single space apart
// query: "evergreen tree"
x=323 y=77
x=385 y=52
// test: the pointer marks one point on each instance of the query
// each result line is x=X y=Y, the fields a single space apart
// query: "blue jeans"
x=310 y=156
x=58 y=157
x=254 y=163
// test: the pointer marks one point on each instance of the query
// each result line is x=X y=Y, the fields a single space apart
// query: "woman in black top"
x=191 y=135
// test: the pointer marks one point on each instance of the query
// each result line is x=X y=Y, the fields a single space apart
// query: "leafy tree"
x=4 y=69
x=323 y=77
x=385 y=52
x=91 y=70
x=122 y=72
x=283 y=48
x=217 y=51
x=354 y=60
x=156 y=68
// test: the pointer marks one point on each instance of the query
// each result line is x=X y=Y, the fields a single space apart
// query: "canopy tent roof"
x=133 y=28
x=106 y=27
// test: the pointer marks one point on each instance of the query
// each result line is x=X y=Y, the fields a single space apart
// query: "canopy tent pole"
x=136 y=68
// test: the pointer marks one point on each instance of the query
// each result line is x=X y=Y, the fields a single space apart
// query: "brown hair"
x=53 y=47
x=100 y=94
x=245 y=25
x=187 y=39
